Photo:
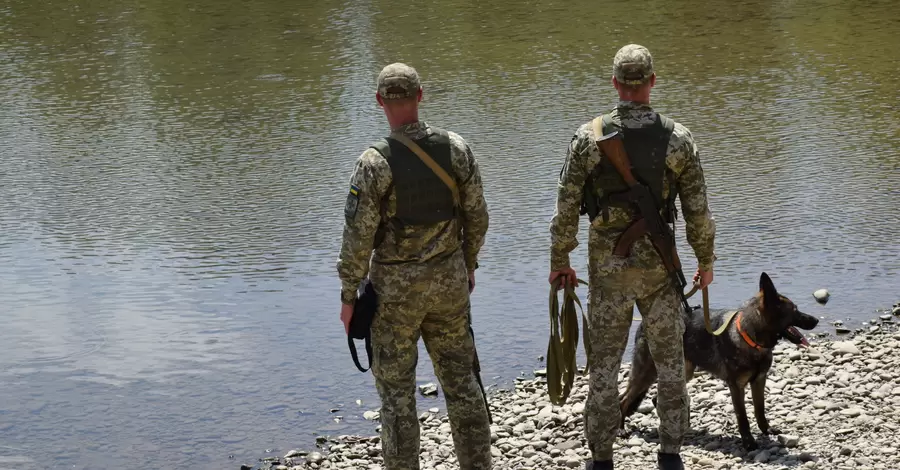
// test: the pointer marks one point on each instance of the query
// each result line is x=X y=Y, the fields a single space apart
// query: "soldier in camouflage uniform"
x=616 y=282
x=423 y=269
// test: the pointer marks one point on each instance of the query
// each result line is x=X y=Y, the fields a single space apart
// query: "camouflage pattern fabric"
x=633 y=65
x=683 y=160
x=401 y=77
x=420 y=273
x=617 y=283
x=369 y=184
x=610 y=306
x=430 y=299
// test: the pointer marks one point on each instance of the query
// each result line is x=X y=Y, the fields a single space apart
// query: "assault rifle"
x=651 y=221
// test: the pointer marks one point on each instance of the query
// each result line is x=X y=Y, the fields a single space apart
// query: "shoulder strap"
x=608 y=123
x=669 y=126
x=431 y=164
x=597 y=123
x=667 y=123
x=382 y=146
x=602 y=125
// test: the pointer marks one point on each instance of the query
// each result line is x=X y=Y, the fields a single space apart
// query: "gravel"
x=837 y=405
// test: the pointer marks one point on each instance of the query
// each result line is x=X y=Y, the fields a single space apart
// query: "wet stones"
x=428 y=390
x=837 y=404
x=821 y=296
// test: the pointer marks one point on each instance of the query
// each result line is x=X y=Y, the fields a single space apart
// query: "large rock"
x=822 y=296
x=846 y=347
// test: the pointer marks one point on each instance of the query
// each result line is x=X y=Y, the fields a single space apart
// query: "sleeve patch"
x=352 y=203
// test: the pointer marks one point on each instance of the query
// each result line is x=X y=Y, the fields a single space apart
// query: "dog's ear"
x=768 y=291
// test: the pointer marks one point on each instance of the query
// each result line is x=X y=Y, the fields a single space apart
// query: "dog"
x=741 y=355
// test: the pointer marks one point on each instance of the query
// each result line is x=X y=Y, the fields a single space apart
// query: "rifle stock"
x=614 y=149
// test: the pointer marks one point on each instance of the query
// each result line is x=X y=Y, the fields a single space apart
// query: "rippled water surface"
x=172 y=177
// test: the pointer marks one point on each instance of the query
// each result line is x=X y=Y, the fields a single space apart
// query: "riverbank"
x=837 y=404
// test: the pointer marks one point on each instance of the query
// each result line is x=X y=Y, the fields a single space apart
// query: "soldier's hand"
x=568 y=274
x=346 y=316
x=704 y=278
x=471 y=281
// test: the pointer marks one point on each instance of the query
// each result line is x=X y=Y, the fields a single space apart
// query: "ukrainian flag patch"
x=352 y=203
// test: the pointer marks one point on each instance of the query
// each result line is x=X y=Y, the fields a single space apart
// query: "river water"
x=172 y=179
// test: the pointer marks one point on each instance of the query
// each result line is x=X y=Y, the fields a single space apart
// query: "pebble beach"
x=836 y=404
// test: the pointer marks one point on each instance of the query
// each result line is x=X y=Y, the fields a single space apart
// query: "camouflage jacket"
x=682 y=159
x=370 y=183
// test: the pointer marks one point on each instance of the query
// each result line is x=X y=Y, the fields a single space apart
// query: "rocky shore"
x=837 y=404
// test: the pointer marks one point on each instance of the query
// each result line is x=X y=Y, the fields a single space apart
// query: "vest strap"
x=382 y=147
x=431 y=164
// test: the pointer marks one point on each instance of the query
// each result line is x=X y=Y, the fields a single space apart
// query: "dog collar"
x=745 y=335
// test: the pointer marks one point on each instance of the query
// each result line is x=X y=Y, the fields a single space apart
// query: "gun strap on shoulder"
x=356 y=356
x=597 y=124
x=604 y=125
x=604 y=121
x=430 y=163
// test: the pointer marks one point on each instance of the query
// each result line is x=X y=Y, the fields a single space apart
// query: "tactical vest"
x=646 y=148
x=422 y=198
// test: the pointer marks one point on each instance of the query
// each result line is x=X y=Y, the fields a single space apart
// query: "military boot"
x=670 y=461
x=599 y=465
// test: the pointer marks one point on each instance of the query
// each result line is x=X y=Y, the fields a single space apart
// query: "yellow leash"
x=706 y=319
x=563 y=344
x=564 y=341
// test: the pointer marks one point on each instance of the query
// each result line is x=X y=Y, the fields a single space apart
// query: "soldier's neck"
x=398 y=121
x=639 y=98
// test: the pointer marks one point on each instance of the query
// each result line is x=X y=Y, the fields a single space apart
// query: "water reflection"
x=172 y=178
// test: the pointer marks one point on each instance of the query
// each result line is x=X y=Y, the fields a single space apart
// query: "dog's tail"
x=630 y=405
x=641 y=377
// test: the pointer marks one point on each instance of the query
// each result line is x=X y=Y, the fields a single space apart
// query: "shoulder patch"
x=569 y=154
x=352 y=203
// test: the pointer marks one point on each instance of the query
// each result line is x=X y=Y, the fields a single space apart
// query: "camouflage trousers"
x=615 y=287
x=430 y=300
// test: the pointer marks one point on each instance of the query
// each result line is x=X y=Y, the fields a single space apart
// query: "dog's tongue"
x=794 y=331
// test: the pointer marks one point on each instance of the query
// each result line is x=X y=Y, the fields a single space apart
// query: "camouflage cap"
x=633 y=65
x=398 y=76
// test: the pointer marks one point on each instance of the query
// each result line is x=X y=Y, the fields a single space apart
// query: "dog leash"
x=706 y=318
x=563 y=342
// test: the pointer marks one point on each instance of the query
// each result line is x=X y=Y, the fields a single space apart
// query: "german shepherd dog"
x=741 y=355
